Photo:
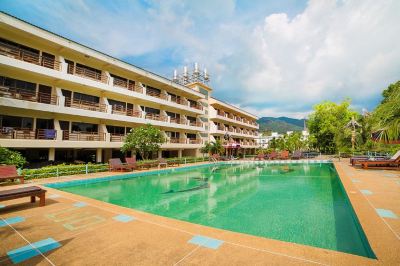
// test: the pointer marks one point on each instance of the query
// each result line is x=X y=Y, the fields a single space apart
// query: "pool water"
x=300 y=203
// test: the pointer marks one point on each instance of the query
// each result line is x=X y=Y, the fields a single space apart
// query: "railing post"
x=57 y=173
x=185 y=160
x=86 y=168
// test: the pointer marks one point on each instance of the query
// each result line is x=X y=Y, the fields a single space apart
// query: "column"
x=99 y=152
x=179 y=153
x=159 y=154
x=52 y=154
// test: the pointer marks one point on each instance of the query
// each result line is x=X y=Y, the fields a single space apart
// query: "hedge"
x=62 y=170
x=74 y=169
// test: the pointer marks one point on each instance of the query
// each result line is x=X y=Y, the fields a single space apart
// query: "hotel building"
x=63 y=101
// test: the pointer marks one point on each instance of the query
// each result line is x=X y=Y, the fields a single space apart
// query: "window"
x=85 y=127
x=116 y=130
x=44 y=123
x=173 y=115
x=16 y=122
x=117 y=104
x=150 y=110
x=17 y=85
x=191 y=136
x=172 y=135
x=85 y=97
x=64 y=125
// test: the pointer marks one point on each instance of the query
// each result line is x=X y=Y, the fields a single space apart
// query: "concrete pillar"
x=179 y=153
x=52 y=154
x=159 y=154
x=99 y=153
x=107 y=155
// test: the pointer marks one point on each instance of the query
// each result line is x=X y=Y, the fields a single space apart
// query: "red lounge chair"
x=284 y=155
x=392 y=163
x=115 y=164
x=9 y=172
x=32 y=192
x=131 y=162
x=296 y=155
x=273 y=155
x=162 y=162
x=259 y=157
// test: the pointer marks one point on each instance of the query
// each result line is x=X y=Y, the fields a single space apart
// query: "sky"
x=269 y=57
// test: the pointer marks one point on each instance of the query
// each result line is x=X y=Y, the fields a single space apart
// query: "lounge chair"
x=284 y=155
x=115 y=164
x=296 y=155
x=273 y=155
x=9 y=172
x=162 y=162
x=259 y=157
x=216 y=157
x=32 y=192
x=131 y=162
x=392 y=163
x=357 y=159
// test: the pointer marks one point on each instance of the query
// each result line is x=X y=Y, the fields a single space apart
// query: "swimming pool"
x=303 y=203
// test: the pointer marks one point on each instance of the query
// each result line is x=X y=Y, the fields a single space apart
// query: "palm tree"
x=353 y=124
x=386 y=116
x=217 y=147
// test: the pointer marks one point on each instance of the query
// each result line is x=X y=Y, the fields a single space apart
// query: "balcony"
x=156 y=117
x=180 y=101
x=176 y=120
x=120 y=110
x=27 y=133
x=83 y=136
x=184 y=141
x=114 y=137
x=195 y=123
x=87 y=73
x=127 y=84
x=28 y=56
x=197 y=106
x=85 y=105
x=27 y=95
x=157 y=94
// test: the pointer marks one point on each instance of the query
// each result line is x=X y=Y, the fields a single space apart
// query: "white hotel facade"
x=62 y=101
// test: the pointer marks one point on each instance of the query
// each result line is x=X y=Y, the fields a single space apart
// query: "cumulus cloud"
x=273 y=63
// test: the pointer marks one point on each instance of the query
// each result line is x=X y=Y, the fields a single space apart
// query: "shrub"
x=62 y=170
x=11 y=157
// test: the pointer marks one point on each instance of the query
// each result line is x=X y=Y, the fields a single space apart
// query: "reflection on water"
x=301 y=203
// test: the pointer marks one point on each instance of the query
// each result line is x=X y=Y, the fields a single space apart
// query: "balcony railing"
x=157 y=94
x=177 y=140
x=120 y=110
x=114 y=137
x=27 y=133
x=85 y=105
x=27 y=95
x=221 y=128
x=27 y=56
x=83 y=136
x=197 y=106
x=156 y=117
x=178 y=120
x=184 y=141
x=87 y=73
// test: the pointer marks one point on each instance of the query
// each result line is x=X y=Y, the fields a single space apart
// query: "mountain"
x=280 y=124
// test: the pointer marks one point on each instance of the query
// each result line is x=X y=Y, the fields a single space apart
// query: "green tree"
x=328 y=125
x=11 y=157
x=386 y=117
x=206 y=148
x=143 y=140
x=217 y=147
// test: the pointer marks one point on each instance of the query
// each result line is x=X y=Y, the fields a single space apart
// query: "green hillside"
x=280 y=124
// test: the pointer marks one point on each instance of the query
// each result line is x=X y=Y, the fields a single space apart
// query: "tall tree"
x=143 y=140
x=386 y=117
x=327 y=124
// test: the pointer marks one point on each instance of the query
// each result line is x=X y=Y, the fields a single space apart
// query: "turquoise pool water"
x=300 y=203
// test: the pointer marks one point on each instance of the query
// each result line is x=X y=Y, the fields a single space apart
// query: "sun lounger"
x=115 y=164
x=296 y=155
x=273 y=155
x=357 y=159
x=17 y=193
x=284 y=155
x=9 y=172
x=392 y=163
x=131 y=162
x=162 y=162
x=259 y=157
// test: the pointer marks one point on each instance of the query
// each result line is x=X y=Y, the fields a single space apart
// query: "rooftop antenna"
x=175 y=75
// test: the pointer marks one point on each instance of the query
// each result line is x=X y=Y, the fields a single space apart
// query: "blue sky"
x=271 y=57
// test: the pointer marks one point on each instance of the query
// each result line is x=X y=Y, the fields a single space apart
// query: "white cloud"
x=279 y=65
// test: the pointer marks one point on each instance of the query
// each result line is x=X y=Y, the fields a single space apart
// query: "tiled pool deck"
x=74 y=230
